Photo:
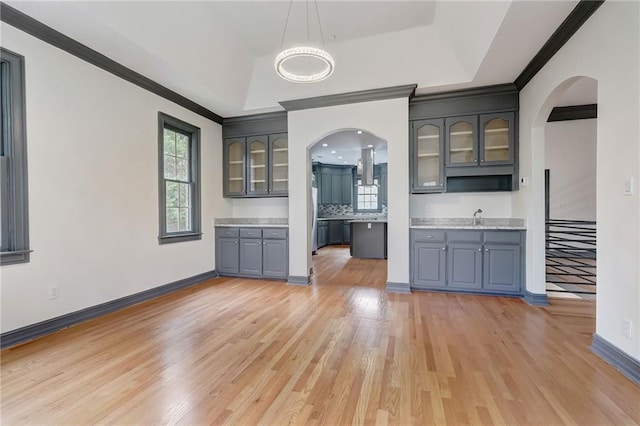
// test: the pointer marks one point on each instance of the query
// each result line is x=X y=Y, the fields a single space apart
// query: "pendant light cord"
x=319 y=24
x=286 y=23
x=308 y=36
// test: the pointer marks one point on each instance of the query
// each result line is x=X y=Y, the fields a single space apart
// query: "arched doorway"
x=349 y=199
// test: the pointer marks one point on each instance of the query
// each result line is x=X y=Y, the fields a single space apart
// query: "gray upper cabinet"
x=427 y=150
x=336 y=189
x=462 y=141
x=257 y=174
x=479 y=128
x=383 y=184
x=497 y=139
x=325 y=188
x=278 y=164
x=234 y=170
x=256 y=166
x=347 y=188
x=429 y=265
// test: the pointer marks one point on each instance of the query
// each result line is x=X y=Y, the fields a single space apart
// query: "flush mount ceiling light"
x=308 y=54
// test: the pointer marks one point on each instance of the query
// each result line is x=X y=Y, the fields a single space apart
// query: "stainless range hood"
x=365 y=166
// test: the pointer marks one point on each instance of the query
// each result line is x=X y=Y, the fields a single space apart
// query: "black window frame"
x=14 y=197
x=175 y=124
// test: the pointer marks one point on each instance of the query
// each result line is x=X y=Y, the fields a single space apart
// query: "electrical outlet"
x=54 y=292
x=626 y=328
x=427 y=208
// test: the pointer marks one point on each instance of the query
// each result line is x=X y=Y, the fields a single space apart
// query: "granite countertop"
x=354 y=218
x=369 y=220
x=253 y=222
x=467 y=223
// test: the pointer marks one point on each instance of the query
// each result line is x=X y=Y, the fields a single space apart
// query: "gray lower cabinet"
x=323 y=234
x=252 y=252
x=227 y=255
x=251 y=257
x=275 y=258
x=464 y=266
x=471 y=261
x=502 y=267
x=429 y=265
x=335 y=231
x=346 y=232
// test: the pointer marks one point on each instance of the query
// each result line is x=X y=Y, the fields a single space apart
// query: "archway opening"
x=349 y=198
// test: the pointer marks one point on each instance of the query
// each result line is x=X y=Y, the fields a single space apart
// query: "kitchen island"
x=369 y=238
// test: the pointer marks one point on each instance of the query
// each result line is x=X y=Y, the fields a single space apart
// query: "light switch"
x=629 y=186
x=368 y=226
x=524 y=181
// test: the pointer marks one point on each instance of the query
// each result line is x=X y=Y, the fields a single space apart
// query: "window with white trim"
x=367 y=197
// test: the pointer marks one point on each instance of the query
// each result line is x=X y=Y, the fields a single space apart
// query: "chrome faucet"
x=476 y=219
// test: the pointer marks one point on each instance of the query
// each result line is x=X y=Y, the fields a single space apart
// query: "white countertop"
x=252 y=222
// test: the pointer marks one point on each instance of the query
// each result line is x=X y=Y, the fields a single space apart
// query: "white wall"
x=570 y=156
x=387 y=120
x=606 y=48
x=259 y=207
x=493 y=204
x=93 y=191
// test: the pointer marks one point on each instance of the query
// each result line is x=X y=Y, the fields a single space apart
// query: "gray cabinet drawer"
x=512 y=237
x=274 y=233
x=428 y=235
x=227 y=232
x=465 y=236
x=251 y=233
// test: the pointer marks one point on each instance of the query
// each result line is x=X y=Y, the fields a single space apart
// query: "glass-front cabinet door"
x=278 y=164
x=462 y=141
x=234 y=167
x=257 y=179
x=428 y=161
x=497 y=138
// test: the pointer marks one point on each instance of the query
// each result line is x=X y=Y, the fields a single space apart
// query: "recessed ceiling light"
x=359 y=132
x=333 y=152
x=346 y=162
x=369 y=146
x=325 y=144
x=339 y=158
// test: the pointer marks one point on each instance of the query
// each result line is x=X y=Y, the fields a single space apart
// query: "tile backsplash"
x=333 y=210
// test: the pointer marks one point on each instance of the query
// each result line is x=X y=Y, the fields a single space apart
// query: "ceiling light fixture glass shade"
x=304 y=51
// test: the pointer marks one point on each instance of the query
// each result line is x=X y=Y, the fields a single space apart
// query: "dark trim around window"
x=15 y=199
x=166 y=121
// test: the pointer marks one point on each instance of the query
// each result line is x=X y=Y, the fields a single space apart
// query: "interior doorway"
x=350 y=203
x=570 y=192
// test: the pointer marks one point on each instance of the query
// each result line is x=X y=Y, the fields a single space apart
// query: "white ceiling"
x=344 y=148
x=220 y=53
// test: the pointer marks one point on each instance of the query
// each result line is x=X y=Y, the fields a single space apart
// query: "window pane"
x=172 y=194
x=169 y=167
x=185 y=223
x=172 y=219
x=169 y=142
x=182 y=170
x=185 y=196
x=182 y=146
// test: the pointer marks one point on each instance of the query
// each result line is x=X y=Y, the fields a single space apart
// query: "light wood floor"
x=342 y=351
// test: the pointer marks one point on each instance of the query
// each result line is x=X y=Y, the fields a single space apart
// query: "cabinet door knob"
x=444 y=248
x=486 y=249
x=480 y=249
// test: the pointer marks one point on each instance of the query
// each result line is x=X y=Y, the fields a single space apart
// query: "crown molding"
x=406 y=91
x=578 y=16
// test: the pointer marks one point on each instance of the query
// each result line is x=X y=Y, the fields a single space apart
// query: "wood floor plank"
x=341 y=351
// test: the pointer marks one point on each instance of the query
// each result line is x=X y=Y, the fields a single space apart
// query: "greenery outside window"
x=14 y=212
x=367 y=197
x=179 y=180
